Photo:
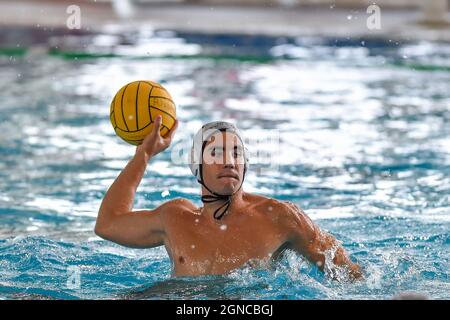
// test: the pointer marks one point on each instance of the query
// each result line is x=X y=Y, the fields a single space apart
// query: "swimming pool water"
x=365 y=151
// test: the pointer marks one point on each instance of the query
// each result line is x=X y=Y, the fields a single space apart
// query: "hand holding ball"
x=136 y=106
x=154 y=143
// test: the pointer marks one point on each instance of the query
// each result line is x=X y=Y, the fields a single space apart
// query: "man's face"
x=223 y=163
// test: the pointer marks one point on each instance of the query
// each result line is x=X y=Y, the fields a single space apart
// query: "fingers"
x=172 y=131
x=157 y=126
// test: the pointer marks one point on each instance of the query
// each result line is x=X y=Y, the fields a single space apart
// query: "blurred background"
x=250 y=16
x=358 y=93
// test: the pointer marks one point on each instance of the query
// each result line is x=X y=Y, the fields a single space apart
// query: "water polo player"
x=232 y=229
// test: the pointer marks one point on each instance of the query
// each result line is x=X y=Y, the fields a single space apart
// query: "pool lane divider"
x=214 y=57
x=70 y=55
x=16 y=52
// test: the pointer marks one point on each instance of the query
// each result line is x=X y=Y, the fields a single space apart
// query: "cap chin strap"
x=214 y=196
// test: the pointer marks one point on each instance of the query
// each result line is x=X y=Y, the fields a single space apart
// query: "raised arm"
x=116 y=221
x=318 y=246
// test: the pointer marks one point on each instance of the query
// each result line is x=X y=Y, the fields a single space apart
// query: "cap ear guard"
x=196 y=154
x=246 y=158
x=194 y=165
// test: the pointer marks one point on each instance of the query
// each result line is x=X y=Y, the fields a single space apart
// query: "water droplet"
x=196 y=220
x=165 y=193
x=332 y=6
x=130 y=117
x=223 y=227
x=349 y=17
x=270 y=208
x=193 y=246
x=405 y=57
x=363 y=43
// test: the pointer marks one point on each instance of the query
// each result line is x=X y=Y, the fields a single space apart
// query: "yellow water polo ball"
x=135 y=107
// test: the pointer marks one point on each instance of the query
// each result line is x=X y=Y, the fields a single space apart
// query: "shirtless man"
x=232 y=229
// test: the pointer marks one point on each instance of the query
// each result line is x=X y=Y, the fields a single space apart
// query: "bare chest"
x=199 y=246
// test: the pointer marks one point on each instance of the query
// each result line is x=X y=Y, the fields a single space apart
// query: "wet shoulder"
x=177 y=207
x=278 y=210
x=266 y=205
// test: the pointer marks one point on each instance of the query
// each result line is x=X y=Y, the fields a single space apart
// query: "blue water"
x=365 y=151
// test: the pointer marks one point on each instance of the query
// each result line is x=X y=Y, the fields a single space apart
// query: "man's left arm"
x=318 y=246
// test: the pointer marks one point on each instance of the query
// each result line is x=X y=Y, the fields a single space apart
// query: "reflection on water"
x=364 y=150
